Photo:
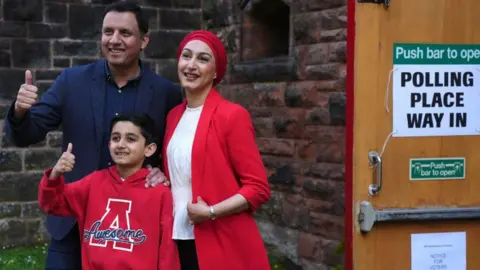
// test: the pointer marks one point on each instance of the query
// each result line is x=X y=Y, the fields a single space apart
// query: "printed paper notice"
x=439 y=251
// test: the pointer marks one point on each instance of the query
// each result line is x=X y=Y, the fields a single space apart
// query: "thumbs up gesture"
x=64 y=164
x=26 y=97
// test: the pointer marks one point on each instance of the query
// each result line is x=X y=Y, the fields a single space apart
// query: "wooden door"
x=387 y=246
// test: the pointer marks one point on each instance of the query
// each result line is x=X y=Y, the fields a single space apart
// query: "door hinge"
x=386 y=3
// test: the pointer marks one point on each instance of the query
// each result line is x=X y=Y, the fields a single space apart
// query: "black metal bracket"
x=386 y=3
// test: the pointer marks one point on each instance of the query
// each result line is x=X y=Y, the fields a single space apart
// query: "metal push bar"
x=369 y=216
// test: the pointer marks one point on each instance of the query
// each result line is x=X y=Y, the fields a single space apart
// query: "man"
x=83 y=100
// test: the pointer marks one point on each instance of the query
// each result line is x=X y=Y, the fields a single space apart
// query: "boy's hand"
x=64 y=164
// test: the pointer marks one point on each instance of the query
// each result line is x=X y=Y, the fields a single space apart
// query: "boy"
x=122 y=224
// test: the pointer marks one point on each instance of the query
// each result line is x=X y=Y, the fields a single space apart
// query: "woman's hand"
x=156 y=177
x=198 y=212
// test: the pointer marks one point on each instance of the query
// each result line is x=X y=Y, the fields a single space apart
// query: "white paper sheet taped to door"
x=439 y=251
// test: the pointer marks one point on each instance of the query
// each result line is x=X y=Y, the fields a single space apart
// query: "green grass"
x=33 y=258
x=23 y=258
x=277 y=262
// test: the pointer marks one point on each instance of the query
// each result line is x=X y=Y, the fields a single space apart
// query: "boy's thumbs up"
x=69 y=148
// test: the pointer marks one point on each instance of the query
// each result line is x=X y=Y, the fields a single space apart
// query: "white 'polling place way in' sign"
x=436 y=90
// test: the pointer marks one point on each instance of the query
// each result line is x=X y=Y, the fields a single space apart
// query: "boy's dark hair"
x=144 y=122
x=130 y=6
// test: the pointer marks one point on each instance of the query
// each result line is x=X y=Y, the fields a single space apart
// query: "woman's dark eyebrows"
x=186 y=49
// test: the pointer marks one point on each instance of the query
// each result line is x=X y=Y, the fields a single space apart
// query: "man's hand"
x=198 y=212
x=156 y=177
x=64 y=164
x=26 y=97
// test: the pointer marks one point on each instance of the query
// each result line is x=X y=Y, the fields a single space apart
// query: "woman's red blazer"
x=225 y=161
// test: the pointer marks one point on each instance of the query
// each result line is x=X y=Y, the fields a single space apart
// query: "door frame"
x=349 y=129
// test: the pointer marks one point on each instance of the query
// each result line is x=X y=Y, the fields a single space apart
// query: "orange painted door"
x=415 y=106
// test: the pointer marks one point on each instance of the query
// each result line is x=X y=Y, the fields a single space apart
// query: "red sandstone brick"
x=326 y=225
x=274 y=146
x=307 y=150
x=317 y=205
x=312 y=5
x=330 y=152
x=273 y=162
x=290 y=123
x=308 y=245
x=270 y=94
x=325 y=133
x=263 y=127
x=327 y=171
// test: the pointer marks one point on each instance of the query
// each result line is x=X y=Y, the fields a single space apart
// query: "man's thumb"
x=28 y=77
x=69 y=148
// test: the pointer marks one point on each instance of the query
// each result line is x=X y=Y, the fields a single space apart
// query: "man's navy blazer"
x=76 y=101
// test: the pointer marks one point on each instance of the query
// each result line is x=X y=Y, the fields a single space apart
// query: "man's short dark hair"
x=144 y=122
x=130 y=6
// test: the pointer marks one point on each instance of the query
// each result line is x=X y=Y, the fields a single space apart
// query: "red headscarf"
x=215 y=45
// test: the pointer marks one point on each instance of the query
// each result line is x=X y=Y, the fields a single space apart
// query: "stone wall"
x=293 y=85
x=47 y=36
x=297 y=101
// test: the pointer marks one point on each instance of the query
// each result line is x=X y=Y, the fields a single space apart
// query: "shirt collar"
x=108 y=75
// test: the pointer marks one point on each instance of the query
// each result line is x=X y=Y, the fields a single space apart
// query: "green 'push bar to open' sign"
x=437 y=168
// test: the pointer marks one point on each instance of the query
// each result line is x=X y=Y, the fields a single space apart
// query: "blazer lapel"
x=145 y=93
x=200 y=140
x=171 y=125
x=97 y=91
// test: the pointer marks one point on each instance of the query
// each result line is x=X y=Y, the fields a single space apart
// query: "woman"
x=216 y=172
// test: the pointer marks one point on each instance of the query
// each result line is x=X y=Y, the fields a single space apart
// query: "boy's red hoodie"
x=123 y=225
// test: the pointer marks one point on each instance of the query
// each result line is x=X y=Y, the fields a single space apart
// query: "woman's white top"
x=179 y=155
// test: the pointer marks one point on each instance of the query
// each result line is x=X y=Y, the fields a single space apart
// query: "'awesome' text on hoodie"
x=123 y=225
